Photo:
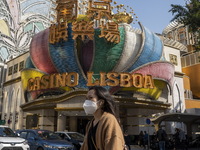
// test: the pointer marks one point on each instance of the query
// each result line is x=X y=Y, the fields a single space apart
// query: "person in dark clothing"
x=176 y=138
x=146 y=136
x=161 y=136
x=153 y=142
x=141 y=139
x=127 y=139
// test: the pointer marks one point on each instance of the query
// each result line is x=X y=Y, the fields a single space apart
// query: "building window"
x=10 y=70
x=170 y=35
x=182 y=37
x=21 y=65
x=15 y=68
x=173 y=59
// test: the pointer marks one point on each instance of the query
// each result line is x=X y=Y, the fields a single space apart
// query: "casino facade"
x=46 y=84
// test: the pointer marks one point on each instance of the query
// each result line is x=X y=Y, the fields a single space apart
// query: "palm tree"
x=189 y=15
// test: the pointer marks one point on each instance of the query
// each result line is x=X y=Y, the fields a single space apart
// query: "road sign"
x=148 y=121
x=2 y=122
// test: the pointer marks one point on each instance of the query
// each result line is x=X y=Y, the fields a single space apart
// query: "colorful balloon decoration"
x=137 y=52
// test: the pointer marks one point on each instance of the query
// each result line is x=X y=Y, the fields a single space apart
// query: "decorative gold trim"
x=41 y=102
x=123 y=101
x=141 y=103
x=38 y=108
x=69 y=108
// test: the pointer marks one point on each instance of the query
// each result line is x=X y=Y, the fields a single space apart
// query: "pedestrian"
x=153 y=143
x=161 y=136
x=182 y=137
x=103 y=132
x=141 y=139
x=176 y=139
x=127 y=139
x=146 y=136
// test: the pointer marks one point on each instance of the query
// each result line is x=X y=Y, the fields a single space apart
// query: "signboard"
x=71 y=79
x=2 y=122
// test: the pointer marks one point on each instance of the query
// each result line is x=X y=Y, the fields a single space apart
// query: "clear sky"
x=153 y=14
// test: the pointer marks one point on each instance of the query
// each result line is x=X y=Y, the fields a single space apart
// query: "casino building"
x=113 y=47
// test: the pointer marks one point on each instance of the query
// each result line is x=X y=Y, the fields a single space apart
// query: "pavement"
x=137 y=147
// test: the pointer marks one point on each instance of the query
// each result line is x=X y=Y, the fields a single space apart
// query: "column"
x=61 y=122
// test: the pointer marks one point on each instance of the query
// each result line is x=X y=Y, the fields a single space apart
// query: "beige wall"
x=13 y=62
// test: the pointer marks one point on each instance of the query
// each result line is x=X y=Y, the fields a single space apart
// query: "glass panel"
x=15 y=68
x=23 y=134
x=4 y=53
x=10 y=70
x=6 y=132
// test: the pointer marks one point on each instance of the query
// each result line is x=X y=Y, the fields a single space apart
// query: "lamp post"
x=148 y=121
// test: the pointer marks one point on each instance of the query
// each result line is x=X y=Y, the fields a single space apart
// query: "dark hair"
x=109 y=103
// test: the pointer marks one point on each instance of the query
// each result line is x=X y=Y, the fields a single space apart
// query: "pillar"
x=61 y=122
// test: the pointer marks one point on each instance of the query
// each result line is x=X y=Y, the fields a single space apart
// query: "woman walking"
x=103 y=132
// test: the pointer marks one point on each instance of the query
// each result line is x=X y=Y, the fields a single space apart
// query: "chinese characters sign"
x=98 y=13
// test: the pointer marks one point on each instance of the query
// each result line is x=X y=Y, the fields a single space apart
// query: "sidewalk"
x=137 y=147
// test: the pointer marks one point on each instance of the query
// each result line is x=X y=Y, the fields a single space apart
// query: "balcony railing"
x=190 y=59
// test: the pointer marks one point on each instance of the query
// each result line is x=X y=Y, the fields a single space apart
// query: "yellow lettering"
x=148 y=82
x=51 y=82
x=37 y=83
x=60 y=80
x=102 y=79
x=44 y=82
x=91 y=81
x=72 y=79
x=137 y=80
x=30 y=84
x=125 y=80
x=113 y=79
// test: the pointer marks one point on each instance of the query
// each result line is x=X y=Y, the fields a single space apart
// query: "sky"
x=153 y=14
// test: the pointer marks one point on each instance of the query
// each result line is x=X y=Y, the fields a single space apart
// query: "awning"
x=177 y=117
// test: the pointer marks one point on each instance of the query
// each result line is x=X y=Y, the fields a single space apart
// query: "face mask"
x=90 y=107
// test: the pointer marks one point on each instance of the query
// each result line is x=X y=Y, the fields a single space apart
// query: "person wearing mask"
x=103 y=132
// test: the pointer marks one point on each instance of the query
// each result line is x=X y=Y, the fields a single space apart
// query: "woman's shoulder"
x=108 y=117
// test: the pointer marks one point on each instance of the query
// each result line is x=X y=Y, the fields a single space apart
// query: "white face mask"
x=90 y=107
